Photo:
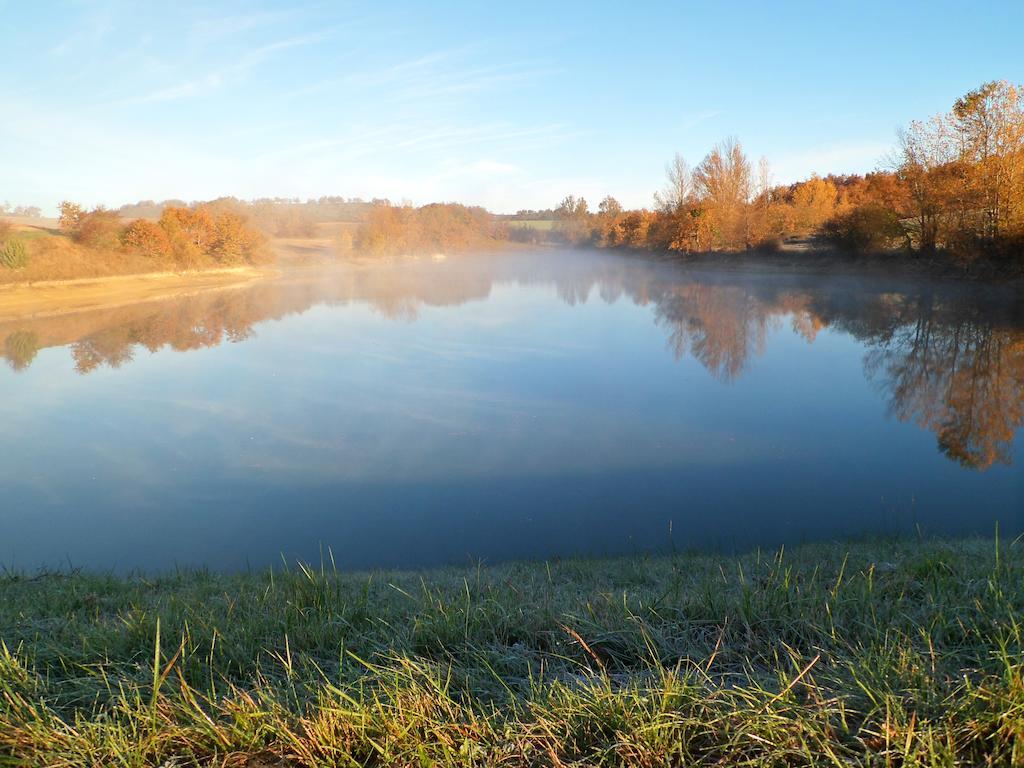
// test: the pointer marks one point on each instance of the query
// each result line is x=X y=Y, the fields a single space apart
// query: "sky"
x=508 y=106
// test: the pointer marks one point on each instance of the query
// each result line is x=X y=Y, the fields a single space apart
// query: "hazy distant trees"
x=573 y=218
x=609 y=220
x=26 y=211
x=276 y=216
x=434 y=228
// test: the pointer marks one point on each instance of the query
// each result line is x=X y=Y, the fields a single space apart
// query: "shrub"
x=99 y=228
x=14 y=255
x=147 y=238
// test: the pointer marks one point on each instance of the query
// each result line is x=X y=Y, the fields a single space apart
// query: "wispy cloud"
x=90 y=30
x=218 y=28
x=218 y=78
x=692 y=121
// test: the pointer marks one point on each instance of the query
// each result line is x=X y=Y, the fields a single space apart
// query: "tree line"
x=954 y=183
x=181 y=237
x=24 y=211
x=433 y=228
x=274 y=216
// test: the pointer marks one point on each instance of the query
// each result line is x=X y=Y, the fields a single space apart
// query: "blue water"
x=526 y=404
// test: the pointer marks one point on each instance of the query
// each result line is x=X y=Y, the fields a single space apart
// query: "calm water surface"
x=509 y=406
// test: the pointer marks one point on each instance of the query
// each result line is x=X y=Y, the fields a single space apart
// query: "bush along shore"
x=873 y=653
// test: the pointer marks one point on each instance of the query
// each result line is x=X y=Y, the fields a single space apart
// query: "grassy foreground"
x=892 y=653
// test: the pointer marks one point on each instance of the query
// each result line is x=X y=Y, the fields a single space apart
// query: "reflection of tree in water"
x=182 y=326
x=721 y=326
x=20 y=349
x=957 y=375
x=951 y=362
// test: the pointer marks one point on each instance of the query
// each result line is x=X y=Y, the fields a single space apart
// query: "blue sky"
x=509 y=106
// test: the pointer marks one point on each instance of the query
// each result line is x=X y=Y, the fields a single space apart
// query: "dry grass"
x=54 y=256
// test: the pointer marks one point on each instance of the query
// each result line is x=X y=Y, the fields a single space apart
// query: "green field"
x=876 y=653
x=541 y=224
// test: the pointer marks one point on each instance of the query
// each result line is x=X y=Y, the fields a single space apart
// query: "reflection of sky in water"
x=511 y=424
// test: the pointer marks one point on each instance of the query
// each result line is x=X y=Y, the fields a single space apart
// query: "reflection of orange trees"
x=20 y=349
x=110 y=337
x=182 y=325
x=962 y=379
x=950 y=363
x=724 y=326
x=721 y=326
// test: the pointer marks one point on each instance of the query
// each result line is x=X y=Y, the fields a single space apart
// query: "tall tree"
x=989 y=124
x=678 y=186
x=722 y=183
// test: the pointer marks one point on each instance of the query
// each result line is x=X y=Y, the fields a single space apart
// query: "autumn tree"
x=769 y=218
x=70 y=215
x=609 y=215
x=147 y=238
x=722 y=183
x=813 y=203
x=233 y=241
x=988 y=124
x=923 y=151
x=634 y=229
x=678 y=187
x=190 y=233
x=434 y=228
x=573 y=219
x=99 y=229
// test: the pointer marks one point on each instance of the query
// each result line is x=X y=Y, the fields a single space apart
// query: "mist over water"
x=522 y=404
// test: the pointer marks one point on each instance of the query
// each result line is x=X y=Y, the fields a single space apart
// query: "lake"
x=523 y=404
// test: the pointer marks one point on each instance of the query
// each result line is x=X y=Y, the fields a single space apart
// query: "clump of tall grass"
x=14 y=255
x=878 y=653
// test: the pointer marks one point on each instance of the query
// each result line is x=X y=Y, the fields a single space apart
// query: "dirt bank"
x=59 y=297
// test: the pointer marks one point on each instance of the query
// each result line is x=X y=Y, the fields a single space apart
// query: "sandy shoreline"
x=59 y=297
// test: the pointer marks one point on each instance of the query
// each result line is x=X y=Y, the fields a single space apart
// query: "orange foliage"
x=147 y=238
x=435 y=228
